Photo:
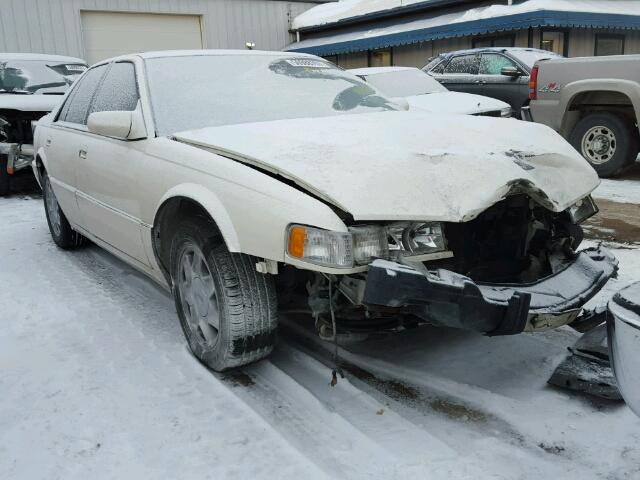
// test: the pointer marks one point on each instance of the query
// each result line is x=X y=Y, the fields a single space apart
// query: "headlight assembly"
x=506 y=112
x=417 y=238
x=320 y=247
x=364 y=243
x=583 y=210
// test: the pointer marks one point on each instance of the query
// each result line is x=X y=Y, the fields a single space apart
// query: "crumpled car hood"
x=29 y=103
x=410 y=165
x=455 y=102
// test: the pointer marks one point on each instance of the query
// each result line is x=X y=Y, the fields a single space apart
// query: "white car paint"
x=409 y=165
x=423 y=92
x=30 y=103
x=387 y=165
x=456 y=103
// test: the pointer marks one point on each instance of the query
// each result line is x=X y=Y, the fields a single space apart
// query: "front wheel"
x=227 y=310
x=608 y=142
x=61 y=232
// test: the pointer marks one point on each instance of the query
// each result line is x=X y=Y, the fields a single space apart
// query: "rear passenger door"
x=460 y=74
x=512 y=90
x=63 y=139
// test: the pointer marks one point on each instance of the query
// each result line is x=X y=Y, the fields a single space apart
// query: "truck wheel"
x=4 y=176
x=227 y=310
x=61 y=232
x=607 y=141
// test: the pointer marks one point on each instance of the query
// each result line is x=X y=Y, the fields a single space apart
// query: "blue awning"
x=362 y=40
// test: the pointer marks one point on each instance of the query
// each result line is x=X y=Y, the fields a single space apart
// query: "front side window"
x=609 y=45
x=77 y=104
x=30 y=77
x=463 y=64
x=197 y=91
x=118 y=91
x=493 y=63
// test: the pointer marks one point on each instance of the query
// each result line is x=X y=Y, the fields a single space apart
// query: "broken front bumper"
x=18 y=156
x=446 y=298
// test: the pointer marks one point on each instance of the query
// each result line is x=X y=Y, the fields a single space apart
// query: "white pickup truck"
x=31 y=85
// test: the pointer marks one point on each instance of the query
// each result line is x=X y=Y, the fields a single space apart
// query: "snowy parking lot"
x=96 y=382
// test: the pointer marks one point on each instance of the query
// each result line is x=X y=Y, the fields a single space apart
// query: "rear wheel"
x=61 y=232
x=609 y=142
x=227 y=310
x=4 y=176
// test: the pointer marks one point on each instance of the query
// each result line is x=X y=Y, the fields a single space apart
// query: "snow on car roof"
x=40 y=56
x=378 y=70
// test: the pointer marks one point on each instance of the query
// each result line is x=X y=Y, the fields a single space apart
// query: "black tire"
x=61 y=232
x=5 y=179
x=616 y=131
x=243 y=299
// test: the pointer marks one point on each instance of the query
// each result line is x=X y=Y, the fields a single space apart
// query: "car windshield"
x=530 y=57
x=198 y=91
x=405 y=83
x=38 y=76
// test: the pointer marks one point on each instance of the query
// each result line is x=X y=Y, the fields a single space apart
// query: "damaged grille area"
x=515 y=241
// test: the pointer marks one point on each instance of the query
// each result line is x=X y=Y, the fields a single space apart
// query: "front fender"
x=212 y=204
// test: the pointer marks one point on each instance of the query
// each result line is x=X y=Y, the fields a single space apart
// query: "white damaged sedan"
x=241 y=180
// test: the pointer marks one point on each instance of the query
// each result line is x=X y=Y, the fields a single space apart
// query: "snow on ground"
x=96 y=382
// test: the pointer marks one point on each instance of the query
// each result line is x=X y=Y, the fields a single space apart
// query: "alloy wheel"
x=198 y=296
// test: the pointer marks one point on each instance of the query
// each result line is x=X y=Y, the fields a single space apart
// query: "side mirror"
x=401 y=102
x=118 y=124
x=511 y=72
x=623 y=325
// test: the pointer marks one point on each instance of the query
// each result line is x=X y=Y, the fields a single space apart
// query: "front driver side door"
x=513 y=90
x=110 y=170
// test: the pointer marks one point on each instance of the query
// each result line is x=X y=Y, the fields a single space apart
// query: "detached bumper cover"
x=447 y=298
x=18 y=156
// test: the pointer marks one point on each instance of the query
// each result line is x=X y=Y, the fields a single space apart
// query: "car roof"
x=40 y=56
x=494 y=49
x=199 y=53
x=378 y=70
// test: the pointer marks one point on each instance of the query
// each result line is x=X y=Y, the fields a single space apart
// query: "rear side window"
x=493 y=63
x=76 y=106
x=118 y=91
x=465 y=64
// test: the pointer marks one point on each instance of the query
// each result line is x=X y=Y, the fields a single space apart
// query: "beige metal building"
x=409 y=32
x=97 y=29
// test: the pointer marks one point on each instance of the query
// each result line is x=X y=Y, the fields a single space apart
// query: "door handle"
x=82 y=153
x=47 y=143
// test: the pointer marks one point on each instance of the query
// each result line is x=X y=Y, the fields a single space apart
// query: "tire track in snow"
x=345 y=431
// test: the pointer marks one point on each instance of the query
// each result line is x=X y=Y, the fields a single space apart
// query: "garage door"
x=107 y=34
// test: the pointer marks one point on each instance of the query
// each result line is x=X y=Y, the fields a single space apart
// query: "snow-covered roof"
x=330 y=13
x=345 y=9
x=474 y=21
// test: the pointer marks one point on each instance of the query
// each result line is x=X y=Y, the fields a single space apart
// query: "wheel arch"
x=617 y=96
x=189 y=200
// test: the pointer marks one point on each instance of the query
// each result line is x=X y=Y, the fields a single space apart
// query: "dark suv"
x=499 y=72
